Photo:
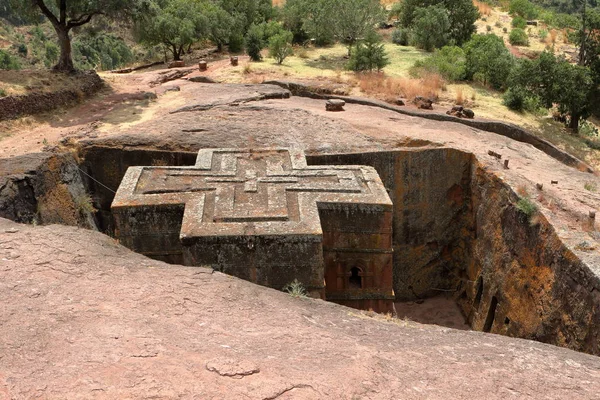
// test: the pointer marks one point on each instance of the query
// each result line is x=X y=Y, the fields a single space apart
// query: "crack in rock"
x=230 y=368
x=289 y=389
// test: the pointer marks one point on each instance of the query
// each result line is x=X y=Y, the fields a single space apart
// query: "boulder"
x=177 y=64
x=399 y=102
x=335 y=105
x=423 y=103
x=468 y=113
x=201 y=79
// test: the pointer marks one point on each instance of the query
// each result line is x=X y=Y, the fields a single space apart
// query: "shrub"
x=518 y=37
x=22 y=49
x=543 y=35
x=514 y=98
x=587 y=129
x=498 y=24
x=280 y=46
x=236 y=43
x=431 y=27
x=488 y=28
x=3 y=93
x=7 y=61
x=103 y=51
x=527 y=207
x=369 y=55
x=254 y=43
x=449 y=62
x=401 y=36
x=51 y=54
x=518 y=98
x=295 y=288
x=504 y=30
x=519 y=22
x=522 y=8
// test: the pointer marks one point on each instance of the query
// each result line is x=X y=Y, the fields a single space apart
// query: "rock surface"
x=83 y=317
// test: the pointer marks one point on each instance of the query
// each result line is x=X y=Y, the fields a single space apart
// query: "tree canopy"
x=68 y=14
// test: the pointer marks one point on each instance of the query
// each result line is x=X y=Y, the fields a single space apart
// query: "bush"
x=518 y=98
x=527 y=207
x=254 y=43
x=369 y=55
x=488 y=28
x=522 y=8
x=102 y=51
x=401 y=36
x=3 y=93
x=518 y=37
x=280 y=46
x=431 y=27
x=587 y=129
x=51 y=54
x=22 y=49
x=504 y=30
x=7 y=61
x=543 y=35
x=514 y=98
x=236 y=43
x=449 y=62
x=519 y=22
x=498 y=24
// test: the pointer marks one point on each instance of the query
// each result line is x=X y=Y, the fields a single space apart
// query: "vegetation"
x=449 y=62
x=369 y=55
x=280 y=46
x=462 y=15
x=431 y=27
x=7 y=61
x=527 y=207
x=66 y=15
x=488 y=60
x=518 y=37
x=295 y=288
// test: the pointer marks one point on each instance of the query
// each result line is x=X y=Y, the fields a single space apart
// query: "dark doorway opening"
x=355 y=278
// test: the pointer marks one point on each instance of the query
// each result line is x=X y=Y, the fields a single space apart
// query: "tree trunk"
x=176 y=56
x=65 y=62
x=574 y=123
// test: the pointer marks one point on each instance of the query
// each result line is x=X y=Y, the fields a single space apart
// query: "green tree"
x=354 y=19
x=431 y=27
x=68 y=14
x=312 y=17
x=254 y=42
x=176 y=24
x=575 y=85
x=519 y=22
x=522 y=8
x=219 y=24
x=488 y=59
x=369 y=54
x=462 y=15
x=280 y=46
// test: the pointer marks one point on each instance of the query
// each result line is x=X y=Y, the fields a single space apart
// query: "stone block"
x=177 y=64
x=202 y=65
x=335 y=105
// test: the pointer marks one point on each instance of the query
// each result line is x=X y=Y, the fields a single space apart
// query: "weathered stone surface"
x=335 y=105
x=423 y=103
x=83 y=317
x=177 y=64
x=257 y=215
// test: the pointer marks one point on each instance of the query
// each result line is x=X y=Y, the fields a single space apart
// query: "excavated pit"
x=460 y=244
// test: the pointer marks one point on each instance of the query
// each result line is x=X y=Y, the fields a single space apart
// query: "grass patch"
x=295 y=288
x=527 y=207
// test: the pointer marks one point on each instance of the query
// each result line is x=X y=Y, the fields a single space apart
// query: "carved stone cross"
x=246 y=212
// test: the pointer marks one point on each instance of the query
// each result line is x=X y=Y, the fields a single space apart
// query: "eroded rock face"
x=522 y=280
x=44 y=188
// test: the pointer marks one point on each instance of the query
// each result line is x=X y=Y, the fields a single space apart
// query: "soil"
x=83 y=317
